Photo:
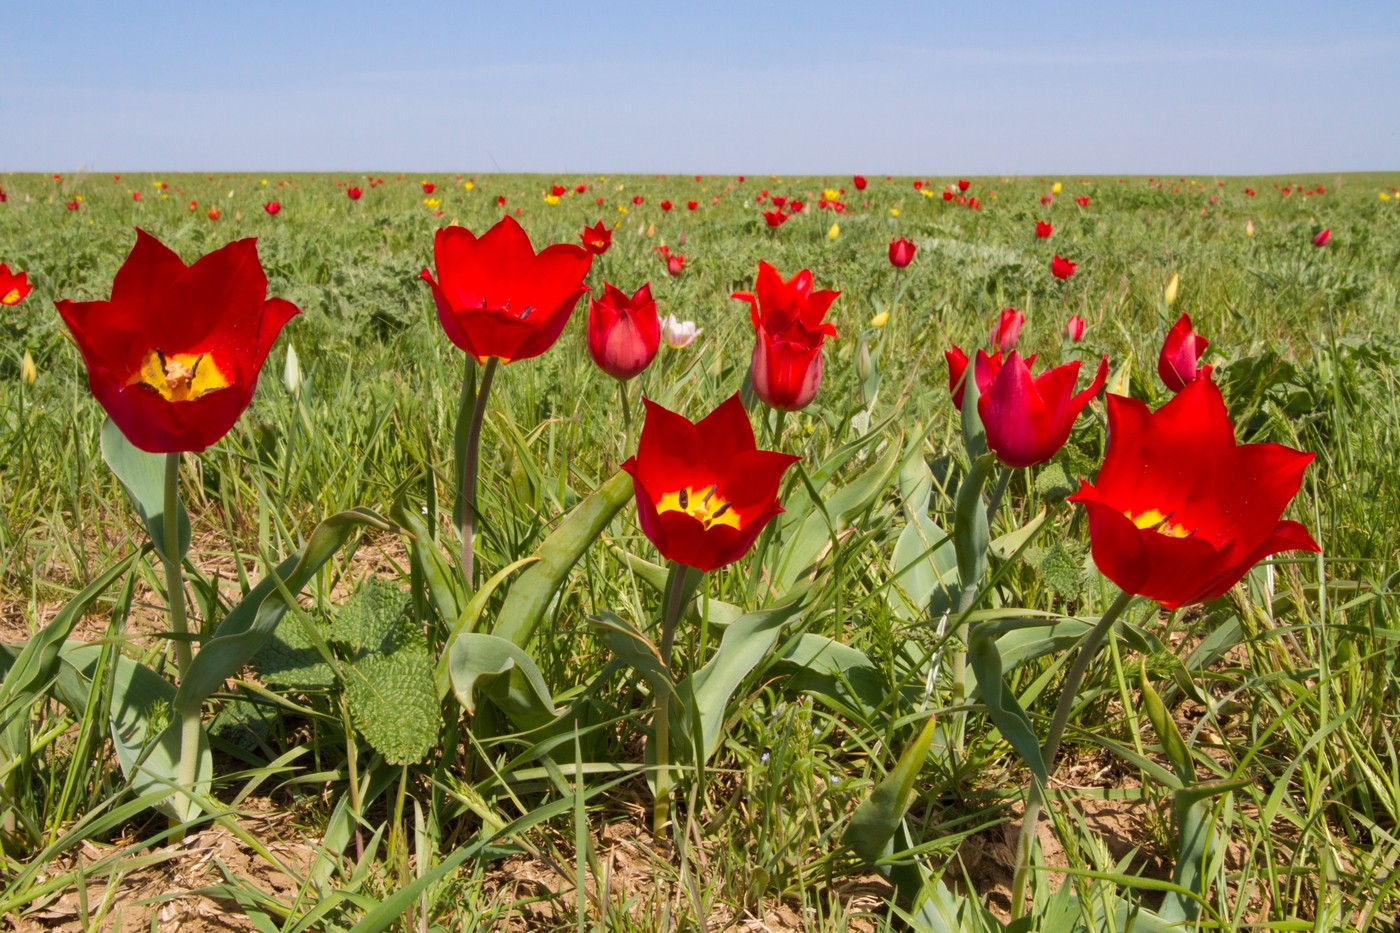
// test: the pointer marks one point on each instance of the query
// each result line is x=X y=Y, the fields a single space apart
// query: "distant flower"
x=13 y=286
x=1061 y=268
x=1249 y=192
x=1074 y=328
x=880 y=320
x=1249 y=227
x=28 y=372
x=665 y=205
x=1007 y=330
x=500 y=200
x=778 y=200
x=1044 y=229
x=859 y=182
x=678 y=334
x=557 y=190
x=1170 y=293
x=834 y=232
x=901 y=252
x=135 y=195
x=433 y=203
x=675 y=262
x=1056 y=188
x=580 y=188
x=795 y=206
x=1082 y=200
x=637 y=199
x=428 y=187
x=353 y=193
x=964 y=184
x=213 y=213
x=272 y=208
x=1179 y=361
x=775 y=218
x=1322 y=237
x=691 y=205
x=551 y=199
x=596 y=239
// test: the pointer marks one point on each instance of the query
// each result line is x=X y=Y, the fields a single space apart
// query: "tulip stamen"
x=704 y=505
x=1156 y=520
x=11 y=297
x=179 y=377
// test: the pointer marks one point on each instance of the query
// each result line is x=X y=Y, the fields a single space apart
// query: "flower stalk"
x=471 y=457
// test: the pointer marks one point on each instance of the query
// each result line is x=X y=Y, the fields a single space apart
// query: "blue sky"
x=819 y=87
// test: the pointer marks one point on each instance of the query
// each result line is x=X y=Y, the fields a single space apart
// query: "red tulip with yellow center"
x=174 y=355
x=497 y=298
x=704 y=491
x=1180 y=512
x=13 y=286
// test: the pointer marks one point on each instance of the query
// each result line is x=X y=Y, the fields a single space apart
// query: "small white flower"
x=676 y=333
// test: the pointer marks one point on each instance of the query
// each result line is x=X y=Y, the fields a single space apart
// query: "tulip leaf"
x=721 y=613
x=250 y=623
x=635 y=649
x=1172 y=743
x=532 y=593
x=705 y=694
x=427 y=557
x=819 y=665
x=836 y=512
x=1007 y=545
x=925 y=569
x=974 y=434
x=480 y=663
x=1003 y=708
x=38 y=661
x=971 y=534
x=142 y=476
x=878 y=817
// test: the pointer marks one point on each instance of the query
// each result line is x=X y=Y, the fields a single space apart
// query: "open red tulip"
x=1029 y=419
x=174 y=355
x=496 y=297
x=596 y=239
x=1180 y=512
x=1179 y=361
x=704 y=491
x=13 y=286
x=786 y=369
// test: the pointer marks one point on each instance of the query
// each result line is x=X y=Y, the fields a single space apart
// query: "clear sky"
x=1222 y=87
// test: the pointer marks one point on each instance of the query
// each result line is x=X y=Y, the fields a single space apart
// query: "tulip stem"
x=1050 y=749
x=679 y=585
x=765 y=541
x=470 y=459
x=626 y=418
x=171 y=559
x=998 y=491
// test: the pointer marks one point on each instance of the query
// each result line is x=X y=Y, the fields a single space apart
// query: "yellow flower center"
x=702 y=504
x=11 y=297
x=1154 y=520
x=179 y=377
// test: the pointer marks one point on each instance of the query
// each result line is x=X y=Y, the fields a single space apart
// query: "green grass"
x=1289 y=688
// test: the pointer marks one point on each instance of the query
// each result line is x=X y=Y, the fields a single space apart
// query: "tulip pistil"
x=1155 y=520
x=701 y=504
x=179 y=377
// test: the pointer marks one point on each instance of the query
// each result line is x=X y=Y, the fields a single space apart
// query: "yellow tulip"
x=831 y=194
x=468 y=185
x=551 y=199
x=894 y=212
x=1171 y=289
x=1056 y=188
x=834 y=232
x=1384 y=196
x=27 y=372
x=880 y=320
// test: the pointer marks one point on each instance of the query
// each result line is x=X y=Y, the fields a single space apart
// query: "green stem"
x=998 y=491
x=626 y=418
x=1050 y=749
x=179 y=624
x=765 y=541
x=677 y=589
x=471 y=457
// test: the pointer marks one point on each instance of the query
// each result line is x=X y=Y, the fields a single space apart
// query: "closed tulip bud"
x=1322 y=237
x=901 y=252
x=1249 y=228
x=291 y=372
x=1007 y=330
x=880 y=320
x=27 y=372
x=1171 y=289
x=1074 y=328
x=863 y=361
x=623 y=333
x=834 y=232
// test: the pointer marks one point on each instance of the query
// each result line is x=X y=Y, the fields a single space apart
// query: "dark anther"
x=684 y=498
x=709 y=492
x=720 y=511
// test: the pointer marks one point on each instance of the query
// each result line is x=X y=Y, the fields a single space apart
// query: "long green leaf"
x=244 y=630
x=1002 y=707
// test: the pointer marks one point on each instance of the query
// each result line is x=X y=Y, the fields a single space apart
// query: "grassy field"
x=328 y=811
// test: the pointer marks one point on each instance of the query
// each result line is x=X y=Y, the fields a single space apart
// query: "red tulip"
x=901 y=252
x=1061 y=268
x=1249 y=192
x=500 y=200
x=272 y=208
x=704 y=490
x=675 y=262
x=795 y=207
x=1322 y=237
x=1179 y=362
x=135 y=195
x=1007 y=329
x=948 y=194
x=428 y=187
x=1043 y=229
x=637 y=199
x=557 y=190
x=497 y=297
x=859 y=182
x=1180 y=512
x=213 y=213
x=775 y=218
x=957 y=368
x=623 y=333
x=1029 y=419
x=580 y=188
x=13 y=286
x=174 y=355
x=194 y=205
x=691 y=205
x=964 y=184
x=778 y=200
x=918 y=184
x=1074 y=328
x=596 y=239
x=353 y=193
x=1082 y=200
x=786 y=369
x=665 y=205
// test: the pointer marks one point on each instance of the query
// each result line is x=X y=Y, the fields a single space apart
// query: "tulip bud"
x=27 y=373
x=1249 y=227
x=880 y=320
x=1007 y=330
x=1074 y=328
x=1322 y=237
x=834 y=232
x=677 y=333
x=291 y=372
x=863 y=361
x=1170 y=294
